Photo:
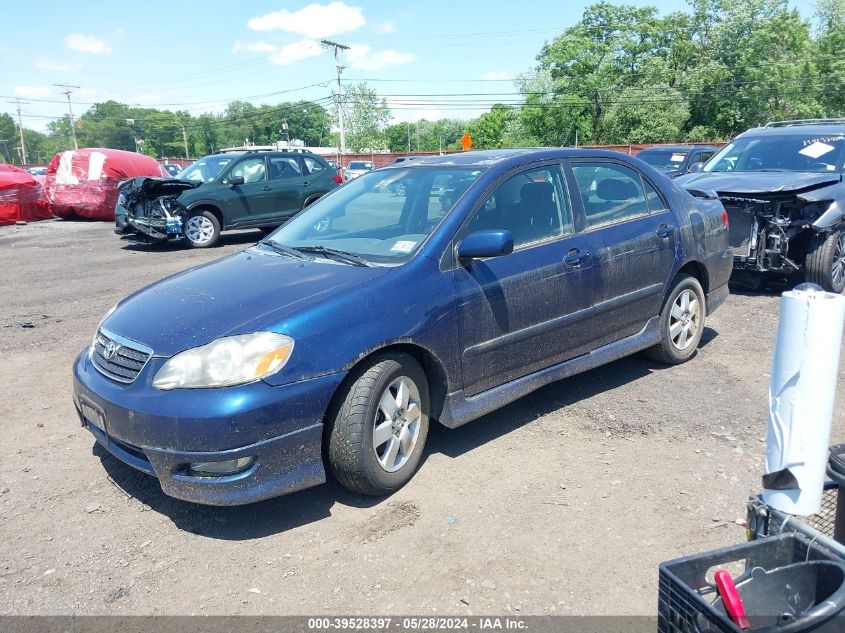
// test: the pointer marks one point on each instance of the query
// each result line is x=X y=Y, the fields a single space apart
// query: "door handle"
x=665 y=230
x=306 y=184
x=575 y=257
x=266 y=188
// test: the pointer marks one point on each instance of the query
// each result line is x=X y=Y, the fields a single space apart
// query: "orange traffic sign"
x=466 y=141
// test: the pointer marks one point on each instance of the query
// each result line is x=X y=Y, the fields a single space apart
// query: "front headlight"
x=228 y=361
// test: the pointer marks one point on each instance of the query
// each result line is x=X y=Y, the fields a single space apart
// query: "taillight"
x=338 y=179
x=725 y=218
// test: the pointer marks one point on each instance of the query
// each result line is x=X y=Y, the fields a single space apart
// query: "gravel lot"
x=561 y=503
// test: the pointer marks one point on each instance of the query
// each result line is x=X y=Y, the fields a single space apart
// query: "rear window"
x=357 y=164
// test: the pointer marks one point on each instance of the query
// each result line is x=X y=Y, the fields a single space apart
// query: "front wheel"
x=202 y=229
x=681 y=322
x=825 y=263
x=377 y=434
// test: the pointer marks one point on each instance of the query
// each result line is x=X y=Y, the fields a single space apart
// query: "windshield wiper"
x=344 y=256
x=284 y=250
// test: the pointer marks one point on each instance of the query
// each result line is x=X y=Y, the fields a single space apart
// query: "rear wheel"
x=825 y=263
x=681 y=322
x=377 y=434
x=202 y=229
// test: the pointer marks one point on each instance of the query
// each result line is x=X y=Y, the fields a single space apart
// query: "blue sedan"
x=433 y=290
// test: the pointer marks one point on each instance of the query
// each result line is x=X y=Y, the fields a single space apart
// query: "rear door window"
x=284 y=168
x=609 y=191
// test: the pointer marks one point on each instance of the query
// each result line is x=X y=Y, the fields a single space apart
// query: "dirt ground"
x=561 y=503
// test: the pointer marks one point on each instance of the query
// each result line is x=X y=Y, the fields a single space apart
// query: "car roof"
x=507 y=157
x=792 y=130
x=686 y=147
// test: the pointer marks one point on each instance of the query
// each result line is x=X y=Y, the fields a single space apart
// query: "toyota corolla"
x=332 y=344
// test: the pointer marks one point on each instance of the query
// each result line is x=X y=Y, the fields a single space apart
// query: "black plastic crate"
x=686 y=591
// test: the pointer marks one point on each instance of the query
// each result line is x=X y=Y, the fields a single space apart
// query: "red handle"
x=730 y=598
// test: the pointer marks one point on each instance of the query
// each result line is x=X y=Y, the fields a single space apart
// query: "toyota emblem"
x=110 y=350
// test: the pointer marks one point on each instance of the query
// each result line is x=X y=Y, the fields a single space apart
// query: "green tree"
x=8 y=134
x=366 y=116
x=631 y=118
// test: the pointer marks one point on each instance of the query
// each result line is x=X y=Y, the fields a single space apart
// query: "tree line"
x=622 y=74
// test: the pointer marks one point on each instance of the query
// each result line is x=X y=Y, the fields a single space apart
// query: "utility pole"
x=339 y=68
x=185 y=138
x=67 y=92
x=20 y=127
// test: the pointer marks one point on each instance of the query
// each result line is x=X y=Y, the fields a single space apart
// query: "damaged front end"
x=772 y=233
x=150 y=208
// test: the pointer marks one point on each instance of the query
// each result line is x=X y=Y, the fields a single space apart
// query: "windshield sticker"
x=403 y=246
x=678 y=158
x=816 y=149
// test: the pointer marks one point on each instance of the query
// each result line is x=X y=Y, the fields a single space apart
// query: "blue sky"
x=200 y=55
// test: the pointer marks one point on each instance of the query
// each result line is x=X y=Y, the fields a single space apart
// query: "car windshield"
x=359 y=165
x=778 y=152
x=383 y=216
x=205 y=169
x=663 y=158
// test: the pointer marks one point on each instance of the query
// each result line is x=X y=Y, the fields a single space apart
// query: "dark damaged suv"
x=781 y=185
x=234 y=190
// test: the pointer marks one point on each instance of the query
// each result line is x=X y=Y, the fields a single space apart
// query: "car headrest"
x=616 y=189
x=536 y=193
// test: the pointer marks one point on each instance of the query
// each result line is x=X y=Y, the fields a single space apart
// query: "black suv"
x=233 y=190
x=675 y=160
x=781 y=185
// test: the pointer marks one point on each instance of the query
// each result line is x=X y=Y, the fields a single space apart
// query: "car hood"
x=152 y=187
x=759 y=182
x=249 y=291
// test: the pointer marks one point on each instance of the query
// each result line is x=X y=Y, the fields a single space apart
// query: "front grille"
x=741 y=224
x=127 y=358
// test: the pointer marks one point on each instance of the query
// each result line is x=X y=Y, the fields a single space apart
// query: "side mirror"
x=696 y=167
x=486 y=243
x=234 y=181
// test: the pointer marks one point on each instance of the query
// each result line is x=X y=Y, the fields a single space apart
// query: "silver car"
x=357 y=168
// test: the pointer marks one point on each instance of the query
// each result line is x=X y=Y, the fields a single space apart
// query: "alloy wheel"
x=838 y=268
x=396 y=427
x=199 y=229
x=684 y=319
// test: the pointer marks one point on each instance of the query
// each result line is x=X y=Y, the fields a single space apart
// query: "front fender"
x=413 y=304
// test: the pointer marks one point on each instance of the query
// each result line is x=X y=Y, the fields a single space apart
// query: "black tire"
x=824 y=253
x=210 y=236
x=351 y=455
x=668 y=350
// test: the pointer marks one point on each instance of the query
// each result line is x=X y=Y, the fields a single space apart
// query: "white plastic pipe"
x=801 y=391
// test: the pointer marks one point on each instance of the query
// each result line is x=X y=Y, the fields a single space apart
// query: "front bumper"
x=161 y=433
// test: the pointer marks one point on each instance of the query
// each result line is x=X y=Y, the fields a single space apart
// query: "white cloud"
x=296 y=52
x=496 y=74
x=314 y=21
x=32 y=91
x=52 y=64
x=385 y=27
x=86 y=44
x=363 y=57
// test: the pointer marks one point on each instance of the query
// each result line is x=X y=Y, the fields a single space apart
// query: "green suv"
x=234 y=190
